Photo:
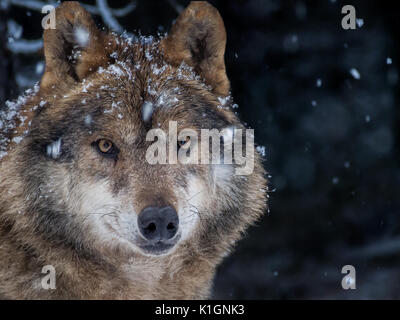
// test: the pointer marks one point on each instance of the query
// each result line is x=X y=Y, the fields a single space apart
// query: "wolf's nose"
x=157 y=224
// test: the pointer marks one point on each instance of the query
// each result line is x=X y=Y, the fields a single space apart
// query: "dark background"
x=332 y=141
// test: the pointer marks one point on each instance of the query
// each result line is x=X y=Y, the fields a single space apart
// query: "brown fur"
x=41 y=198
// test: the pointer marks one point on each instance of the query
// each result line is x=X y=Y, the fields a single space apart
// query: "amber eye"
x=106 y=147
x=185 y=144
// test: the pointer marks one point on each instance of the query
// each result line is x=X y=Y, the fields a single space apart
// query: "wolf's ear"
x=198 y=38
x=74 y=48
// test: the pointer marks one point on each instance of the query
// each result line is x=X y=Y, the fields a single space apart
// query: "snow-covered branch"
x=37 y=5
x=385 y=247
x=175 y=4
x=29 y=4
x=120 y=12
x=24 y=46
x=108 y=17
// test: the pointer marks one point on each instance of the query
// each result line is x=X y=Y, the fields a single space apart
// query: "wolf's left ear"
x=75 y=47
x=198 y=38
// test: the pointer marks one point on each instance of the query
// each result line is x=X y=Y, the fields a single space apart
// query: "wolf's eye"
x=185 y=144
x=106 y=147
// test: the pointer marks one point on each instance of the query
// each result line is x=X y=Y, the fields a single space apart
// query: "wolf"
x=76 y=191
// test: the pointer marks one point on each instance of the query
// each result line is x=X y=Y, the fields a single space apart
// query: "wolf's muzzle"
x=158 y=224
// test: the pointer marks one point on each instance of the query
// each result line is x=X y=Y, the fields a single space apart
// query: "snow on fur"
x=81 y=37
x=9 y=116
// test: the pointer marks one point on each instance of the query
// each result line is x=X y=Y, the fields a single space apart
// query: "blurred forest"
x=322 y=100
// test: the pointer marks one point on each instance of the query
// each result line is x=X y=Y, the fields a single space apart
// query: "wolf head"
x=88 y=181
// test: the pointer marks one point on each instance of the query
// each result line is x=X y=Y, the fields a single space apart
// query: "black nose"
x=158 y=224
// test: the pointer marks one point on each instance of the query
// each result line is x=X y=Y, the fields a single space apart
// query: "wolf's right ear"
x=75 y=47
x=198 y=38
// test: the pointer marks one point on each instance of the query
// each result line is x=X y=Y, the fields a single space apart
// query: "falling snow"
x=147 y=111
x=81 y=36
x=355 y=73
x=54 y=149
